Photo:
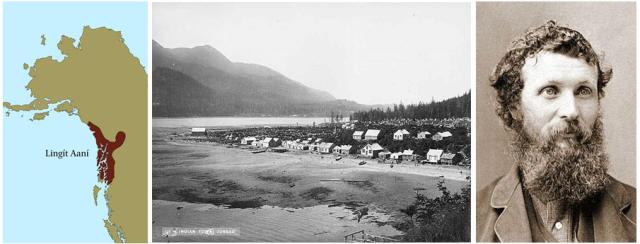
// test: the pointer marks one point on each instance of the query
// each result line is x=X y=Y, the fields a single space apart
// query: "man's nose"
x=568 y=109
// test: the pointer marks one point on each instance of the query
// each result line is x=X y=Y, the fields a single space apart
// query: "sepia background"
x=609 y=27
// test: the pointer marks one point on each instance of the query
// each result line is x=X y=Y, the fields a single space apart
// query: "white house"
x=384 y=154
x=437 y=137
x=348 y=126
x=447 y=158
x=408 y=155
x=423 y=135
x=358 y=135
x=372 y=135
x=256 y=143
x=198 y=131
x=326 y=147
x=302 y=146
x=396 y=155
x=345 y=149
x=433 y=156
x=445 y=134
x=371 y=150
x=401 y=135
x=270 y=142
x=348 y=149
x=337 y=149
x=247 y=140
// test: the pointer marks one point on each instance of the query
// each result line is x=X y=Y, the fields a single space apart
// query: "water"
x=238 y=121
x=50 y=199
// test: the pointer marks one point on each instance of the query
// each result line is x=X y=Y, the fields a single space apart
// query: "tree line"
x=456 y=107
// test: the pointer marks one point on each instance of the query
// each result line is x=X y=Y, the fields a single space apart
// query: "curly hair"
x=507 y=79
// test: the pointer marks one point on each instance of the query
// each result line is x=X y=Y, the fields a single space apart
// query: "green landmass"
x=43 y=40
x=37 y=104
x=64 y=107
x=40 y=116
x=113 y=232
x=25 y=66
x=96 y=190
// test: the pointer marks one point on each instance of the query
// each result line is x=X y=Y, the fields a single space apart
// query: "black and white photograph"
x=555 y=122
x=311 y=122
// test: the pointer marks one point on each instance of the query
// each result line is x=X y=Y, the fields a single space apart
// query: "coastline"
x=456 y=173
x=195 y=183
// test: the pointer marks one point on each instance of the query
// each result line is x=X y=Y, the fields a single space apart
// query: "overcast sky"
x=372 y=53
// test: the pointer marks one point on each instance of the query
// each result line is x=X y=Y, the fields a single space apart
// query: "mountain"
x=201 y=81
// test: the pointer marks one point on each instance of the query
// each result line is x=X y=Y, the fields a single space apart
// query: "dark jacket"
x=501 y=215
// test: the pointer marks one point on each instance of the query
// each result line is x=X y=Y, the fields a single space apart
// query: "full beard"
x=573 y=173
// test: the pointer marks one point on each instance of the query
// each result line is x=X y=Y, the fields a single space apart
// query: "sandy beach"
x=221 y=186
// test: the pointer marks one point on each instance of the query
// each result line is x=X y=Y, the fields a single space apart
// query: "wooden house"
x=433 y=155
x=372 y=135
x=371 y=150
x=198 y=131
x=401 y=135
x=358 y=135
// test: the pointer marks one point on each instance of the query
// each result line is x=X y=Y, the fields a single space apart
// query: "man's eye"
x=585 y=91
x=549 y=91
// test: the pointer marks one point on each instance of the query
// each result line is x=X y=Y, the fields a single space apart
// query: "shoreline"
x=195 y=183
x=456 y=173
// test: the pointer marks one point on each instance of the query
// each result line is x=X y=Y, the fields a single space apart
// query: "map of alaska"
x=105 y=85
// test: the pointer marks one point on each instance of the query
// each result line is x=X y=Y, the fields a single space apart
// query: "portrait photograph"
x=555 y=122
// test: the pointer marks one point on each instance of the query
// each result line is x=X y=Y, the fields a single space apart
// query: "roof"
x=344 y=147
x=372 y=133
x=326 y=145
x=198 y=130
x=445 y=134
x=407 y=152
x=402 y=132
x=268 y=139
x=375 y=146
x=424 y=133
x=358 y=133
x=448 y=155
x=434 y=152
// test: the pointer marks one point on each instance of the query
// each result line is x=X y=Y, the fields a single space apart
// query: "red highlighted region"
x=106 y=163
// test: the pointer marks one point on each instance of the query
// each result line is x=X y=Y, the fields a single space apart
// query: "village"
x=426 y=141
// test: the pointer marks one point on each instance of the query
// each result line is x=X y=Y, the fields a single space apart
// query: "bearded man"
x=549 y=86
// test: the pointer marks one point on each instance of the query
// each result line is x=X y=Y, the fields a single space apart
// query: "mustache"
x=569 y=127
